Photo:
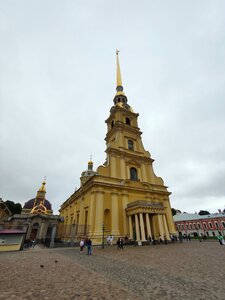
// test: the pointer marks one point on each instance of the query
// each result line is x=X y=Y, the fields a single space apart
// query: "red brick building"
x=194 y=224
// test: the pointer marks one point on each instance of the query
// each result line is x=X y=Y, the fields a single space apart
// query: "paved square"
x=191 y=270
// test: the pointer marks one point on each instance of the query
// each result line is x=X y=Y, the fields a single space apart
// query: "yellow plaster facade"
x=123 y=194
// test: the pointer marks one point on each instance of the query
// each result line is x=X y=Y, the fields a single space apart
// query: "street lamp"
x=103 y=231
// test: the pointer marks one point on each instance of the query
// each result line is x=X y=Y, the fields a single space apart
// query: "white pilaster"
x=99 y=213
x=115 y=214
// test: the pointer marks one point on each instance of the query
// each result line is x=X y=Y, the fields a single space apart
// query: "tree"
x=174 y=212
x=203 y=212
x=15 y=208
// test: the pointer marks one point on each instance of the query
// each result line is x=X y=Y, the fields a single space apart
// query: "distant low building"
x=206 y=225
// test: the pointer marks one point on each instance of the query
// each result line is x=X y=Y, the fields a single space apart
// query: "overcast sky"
x=58 y=80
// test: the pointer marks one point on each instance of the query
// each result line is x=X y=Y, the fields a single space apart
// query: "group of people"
x=29 y=243
x=87 y=243
x=160 y=240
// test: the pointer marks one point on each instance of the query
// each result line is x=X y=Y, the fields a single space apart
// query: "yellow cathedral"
x=123 y=196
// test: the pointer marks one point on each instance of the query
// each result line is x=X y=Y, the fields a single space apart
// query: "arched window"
x=210 y=225
x=133 y=174
x=112 y=124
x=130 y=145
x=190 y=226
x=127 y=121
x=223 y=223
x=216 y=224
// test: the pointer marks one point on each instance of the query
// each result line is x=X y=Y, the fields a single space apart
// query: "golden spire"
x=41 y=193
x=119 y=85
x=42 y=188
x=119 y=79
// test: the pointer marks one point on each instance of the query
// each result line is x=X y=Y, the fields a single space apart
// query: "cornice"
x=120 y=126
x=132 y=155
x=116 y=108
x=114 y=183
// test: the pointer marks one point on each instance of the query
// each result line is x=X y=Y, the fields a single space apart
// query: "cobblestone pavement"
x=190 y=270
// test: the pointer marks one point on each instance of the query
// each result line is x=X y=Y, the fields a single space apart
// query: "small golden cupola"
x=85 y=175
x=90 y=165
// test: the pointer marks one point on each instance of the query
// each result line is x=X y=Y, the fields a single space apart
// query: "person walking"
x=81 y=246
x=118 y=243
x=89 y=247
x=121 y=244
x=33 y=243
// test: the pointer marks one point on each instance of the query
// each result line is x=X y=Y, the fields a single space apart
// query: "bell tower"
x=126 y=156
